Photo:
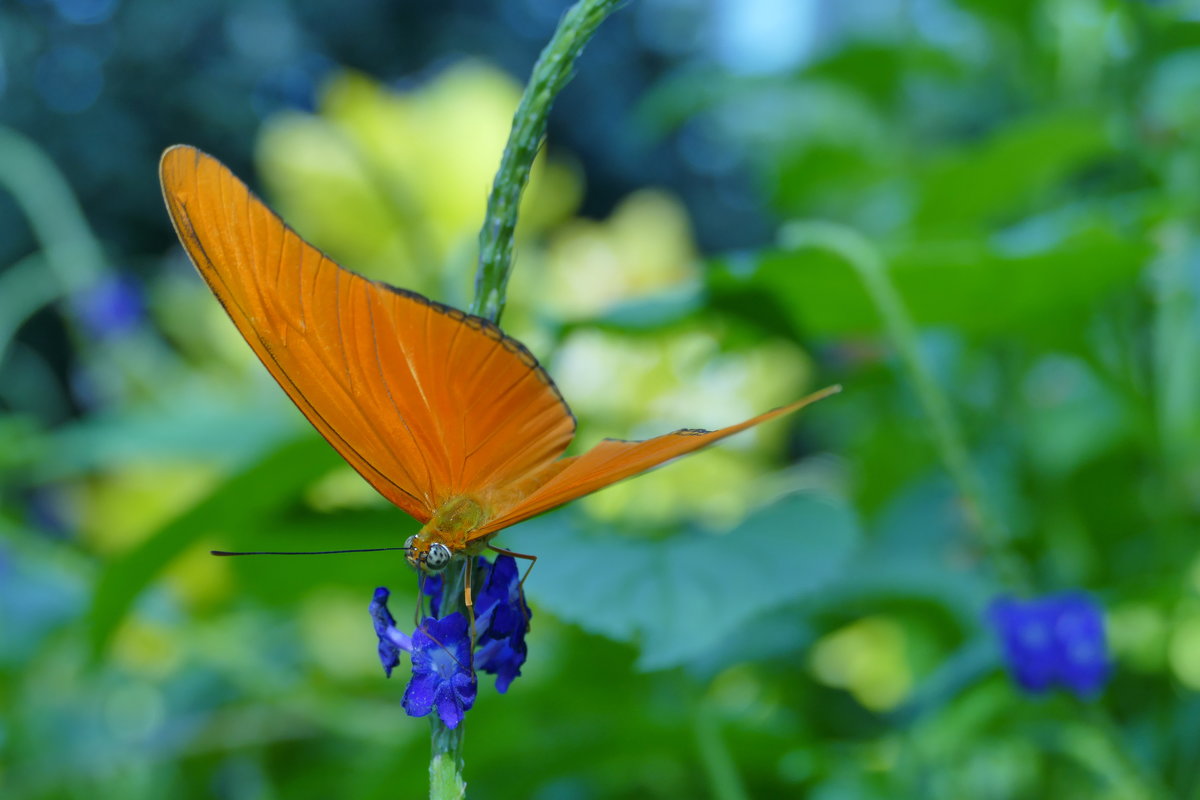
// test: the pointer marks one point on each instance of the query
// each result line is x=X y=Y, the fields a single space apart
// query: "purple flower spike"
x=442 y=676
x=1053 y=640
x=391 y=639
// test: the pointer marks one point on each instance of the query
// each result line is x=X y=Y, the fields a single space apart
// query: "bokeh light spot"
x=85 y=12
x=69 y=78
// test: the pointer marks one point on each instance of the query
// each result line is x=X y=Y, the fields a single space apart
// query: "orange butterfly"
x=445 y=415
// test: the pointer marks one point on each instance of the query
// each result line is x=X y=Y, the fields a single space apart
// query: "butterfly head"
x=426 y=556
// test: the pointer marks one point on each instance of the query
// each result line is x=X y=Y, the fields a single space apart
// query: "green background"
x=798 y=613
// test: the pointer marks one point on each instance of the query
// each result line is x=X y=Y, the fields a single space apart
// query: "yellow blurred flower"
x=394 y=184
x=1138 y=633
x=644 y=247
x=1183 y=650
x=121 y=507
x=331 y=627
x=637 y=387
x=868 y=659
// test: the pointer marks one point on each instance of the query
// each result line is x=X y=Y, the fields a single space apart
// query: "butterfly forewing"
x=425 y=402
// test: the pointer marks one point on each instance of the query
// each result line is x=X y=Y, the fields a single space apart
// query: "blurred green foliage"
x=796 y=613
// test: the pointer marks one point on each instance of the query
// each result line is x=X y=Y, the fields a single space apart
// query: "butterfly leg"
x=531 y=559
x=469 y=601
x=521 y=586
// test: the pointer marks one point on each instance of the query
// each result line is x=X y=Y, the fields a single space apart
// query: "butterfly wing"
x=615 y=459
x=424 y=401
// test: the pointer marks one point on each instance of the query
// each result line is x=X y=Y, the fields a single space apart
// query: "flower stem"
x=1127 y=772
x=550 y=74
x=446 y=763
x=723 y=779
x=71 y=260
x=864 y=258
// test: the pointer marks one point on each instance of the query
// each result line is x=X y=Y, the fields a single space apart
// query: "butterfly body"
x=450 y=527
x=444 y=414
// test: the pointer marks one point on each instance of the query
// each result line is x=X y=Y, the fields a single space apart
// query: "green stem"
x=1130 y=777
x=73 y=256
x=44 y=196
x=25 y=287
x=550 y=74
x=718 y=762
x=865 y=260
x=446 y=763
x=1175 y=354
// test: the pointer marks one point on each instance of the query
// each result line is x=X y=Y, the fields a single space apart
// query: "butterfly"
x=449 y=418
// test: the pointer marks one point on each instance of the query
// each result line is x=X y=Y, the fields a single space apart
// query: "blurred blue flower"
x=442 y=675
x=85 y=12
x=1054 y=640
x=391 y=639
x=110 y=307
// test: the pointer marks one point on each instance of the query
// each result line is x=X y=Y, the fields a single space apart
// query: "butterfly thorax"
x=450 y=526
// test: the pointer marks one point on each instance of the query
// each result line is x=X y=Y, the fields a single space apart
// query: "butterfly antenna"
x=303 y=552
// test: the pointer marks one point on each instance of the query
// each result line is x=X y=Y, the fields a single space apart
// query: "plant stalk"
x=551 y=72
x=446 y=762
x=864 y=258
x=550 y=75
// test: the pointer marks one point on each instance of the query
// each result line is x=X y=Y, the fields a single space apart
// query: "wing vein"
x=328 y=429
x=391 y=398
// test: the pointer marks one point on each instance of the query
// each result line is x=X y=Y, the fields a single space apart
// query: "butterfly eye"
x=437 y=558
x=408 y=542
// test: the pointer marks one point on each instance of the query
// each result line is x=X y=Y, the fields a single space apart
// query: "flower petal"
x=419 y=696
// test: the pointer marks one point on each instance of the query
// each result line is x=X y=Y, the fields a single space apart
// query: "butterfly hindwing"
x=613 y=460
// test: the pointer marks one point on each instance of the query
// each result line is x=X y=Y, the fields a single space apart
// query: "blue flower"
x=431 y=587
x=391 y=639
x=109 y=308
x=442 y=676
x=1054 y=640
x=502 y=621
x=499 y=607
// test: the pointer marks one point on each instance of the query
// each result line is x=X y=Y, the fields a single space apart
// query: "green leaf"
x=996 y=179
x=194 y=420
x=258 y=492
x=977 y=288
x=653 y=312
x=679 y=597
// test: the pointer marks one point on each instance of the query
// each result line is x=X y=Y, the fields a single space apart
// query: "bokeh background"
x=797 y=613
